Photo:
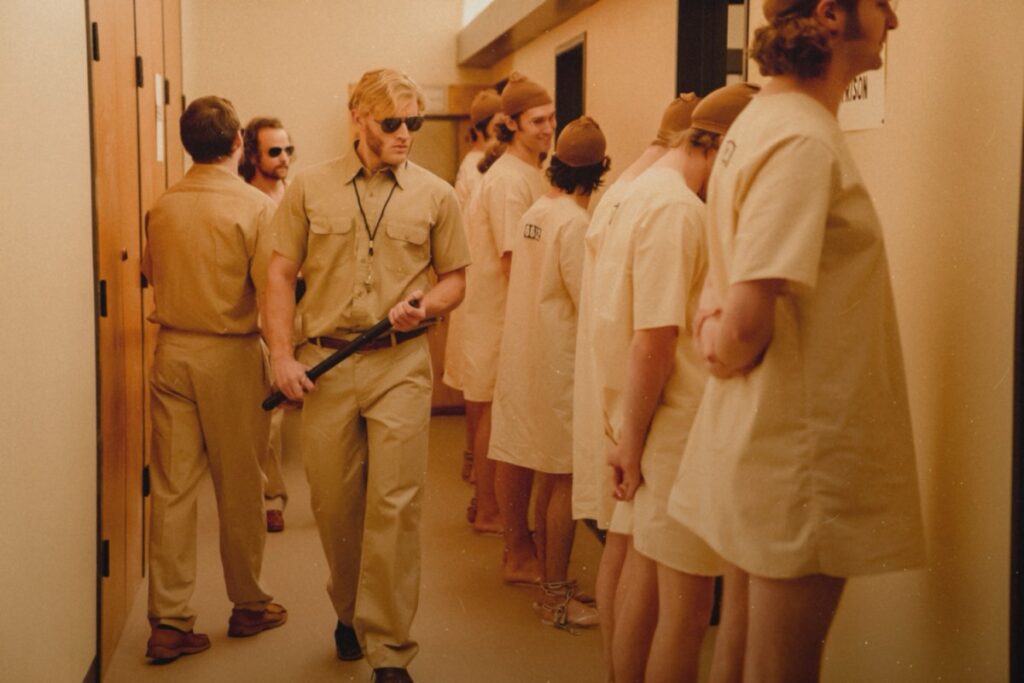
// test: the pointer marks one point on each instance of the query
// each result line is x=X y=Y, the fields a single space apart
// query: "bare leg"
x=788 y=623
x=513 y=485
x=488 y=517
x=561 y=527
x=684 y=609
x=472 y=421
x=608 y=573
x=731 y=640
x=636 y=615
x=541 y=521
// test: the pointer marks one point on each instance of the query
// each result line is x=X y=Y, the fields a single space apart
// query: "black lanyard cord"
x=366 y=223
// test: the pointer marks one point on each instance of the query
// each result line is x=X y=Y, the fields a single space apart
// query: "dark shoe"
x=347 y=644
x=275 y=521
x=391 y=674
x=167 y=643
x=247 y=622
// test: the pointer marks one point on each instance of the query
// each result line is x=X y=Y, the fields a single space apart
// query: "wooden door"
x=115 y=172
x=152 y=94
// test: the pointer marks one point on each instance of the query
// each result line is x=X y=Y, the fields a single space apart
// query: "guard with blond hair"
x=365 y=229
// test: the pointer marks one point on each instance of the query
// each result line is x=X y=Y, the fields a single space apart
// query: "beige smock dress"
x=591 y=479
x=532 y=418
x=806 y=464
x=508 y=189
x=466 y=181
x=650 y=264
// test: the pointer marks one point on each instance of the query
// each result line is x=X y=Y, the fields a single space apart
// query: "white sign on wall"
x=863 y=104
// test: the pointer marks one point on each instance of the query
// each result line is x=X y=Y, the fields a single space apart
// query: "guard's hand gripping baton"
x=278 y=397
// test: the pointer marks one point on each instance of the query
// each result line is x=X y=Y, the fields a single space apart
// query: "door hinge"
x=101 y=296
x=167 y=91
x=105 y=558
x=145 y=481
x=95 y=42
x=139 y=80
x=143 y=281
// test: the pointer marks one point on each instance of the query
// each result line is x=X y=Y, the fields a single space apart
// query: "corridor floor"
x=471 y=628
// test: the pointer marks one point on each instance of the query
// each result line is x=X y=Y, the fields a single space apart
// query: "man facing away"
x=266 y=158
x=365 y=229
x=207 y=380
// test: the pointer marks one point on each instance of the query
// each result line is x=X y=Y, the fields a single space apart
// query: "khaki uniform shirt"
x=320 y=226
x=591 y=492
x=806 y=464
x=508 y=189
x=203 y=236
x=532 y=421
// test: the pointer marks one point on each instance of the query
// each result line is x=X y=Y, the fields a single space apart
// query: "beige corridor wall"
x=945 y=175
x=295 y=59
x=48 y=405
x=630 y=69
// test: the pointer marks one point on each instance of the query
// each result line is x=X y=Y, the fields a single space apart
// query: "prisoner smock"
x=507 y=190
x=806 y=464
x=591 y=482
x=466 y=181
x=319 y=225
x=532 y=414
x=648 y=276
x=201 y=255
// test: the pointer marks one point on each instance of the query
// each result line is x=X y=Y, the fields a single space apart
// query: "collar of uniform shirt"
x=353 y=167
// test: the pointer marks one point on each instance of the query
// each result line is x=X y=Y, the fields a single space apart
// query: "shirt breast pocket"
x=330 y=251
x=410 y=246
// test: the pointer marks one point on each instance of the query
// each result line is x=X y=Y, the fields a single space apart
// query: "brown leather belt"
x=382 y=342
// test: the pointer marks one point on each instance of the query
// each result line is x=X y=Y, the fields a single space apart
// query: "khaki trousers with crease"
x=206 y=390
x=364 y=443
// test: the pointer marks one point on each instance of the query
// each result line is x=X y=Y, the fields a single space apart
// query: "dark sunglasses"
x=275 y=152
x=393 y=123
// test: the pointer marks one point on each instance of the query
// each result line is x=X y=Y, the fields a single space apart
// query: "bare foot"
x=522 y=571
x=487 y=525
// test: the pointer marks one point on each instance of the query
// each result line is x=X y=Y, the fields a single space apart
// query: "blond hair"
x=379 y=92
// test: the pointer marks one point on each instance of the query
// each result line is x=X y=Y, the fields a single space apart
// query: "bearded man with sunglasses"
x=267 y=155
x=365 y=229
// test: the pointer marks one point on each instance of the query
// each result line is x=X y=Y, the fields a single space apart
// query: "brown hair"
x=491 y=154
x=794 y=43
x=208 y=129
x=251 y=144
x=704 y=140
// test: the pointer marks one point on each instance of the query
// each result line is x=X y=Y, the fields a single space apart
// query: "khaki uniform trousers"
x=206 y=391
x=271 y=457
x=364 y=442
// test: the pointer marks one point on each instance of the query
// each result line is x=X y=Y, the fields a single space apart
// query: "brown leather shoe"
x=167 y=643
x=275 y=521
x=391 y=674
x=247 y=622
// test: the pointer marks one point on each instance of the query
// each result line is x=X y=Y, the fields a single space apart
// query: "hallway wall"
x=944 y=172
x=630 y=72
x=47 y=342
x=295 y=60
